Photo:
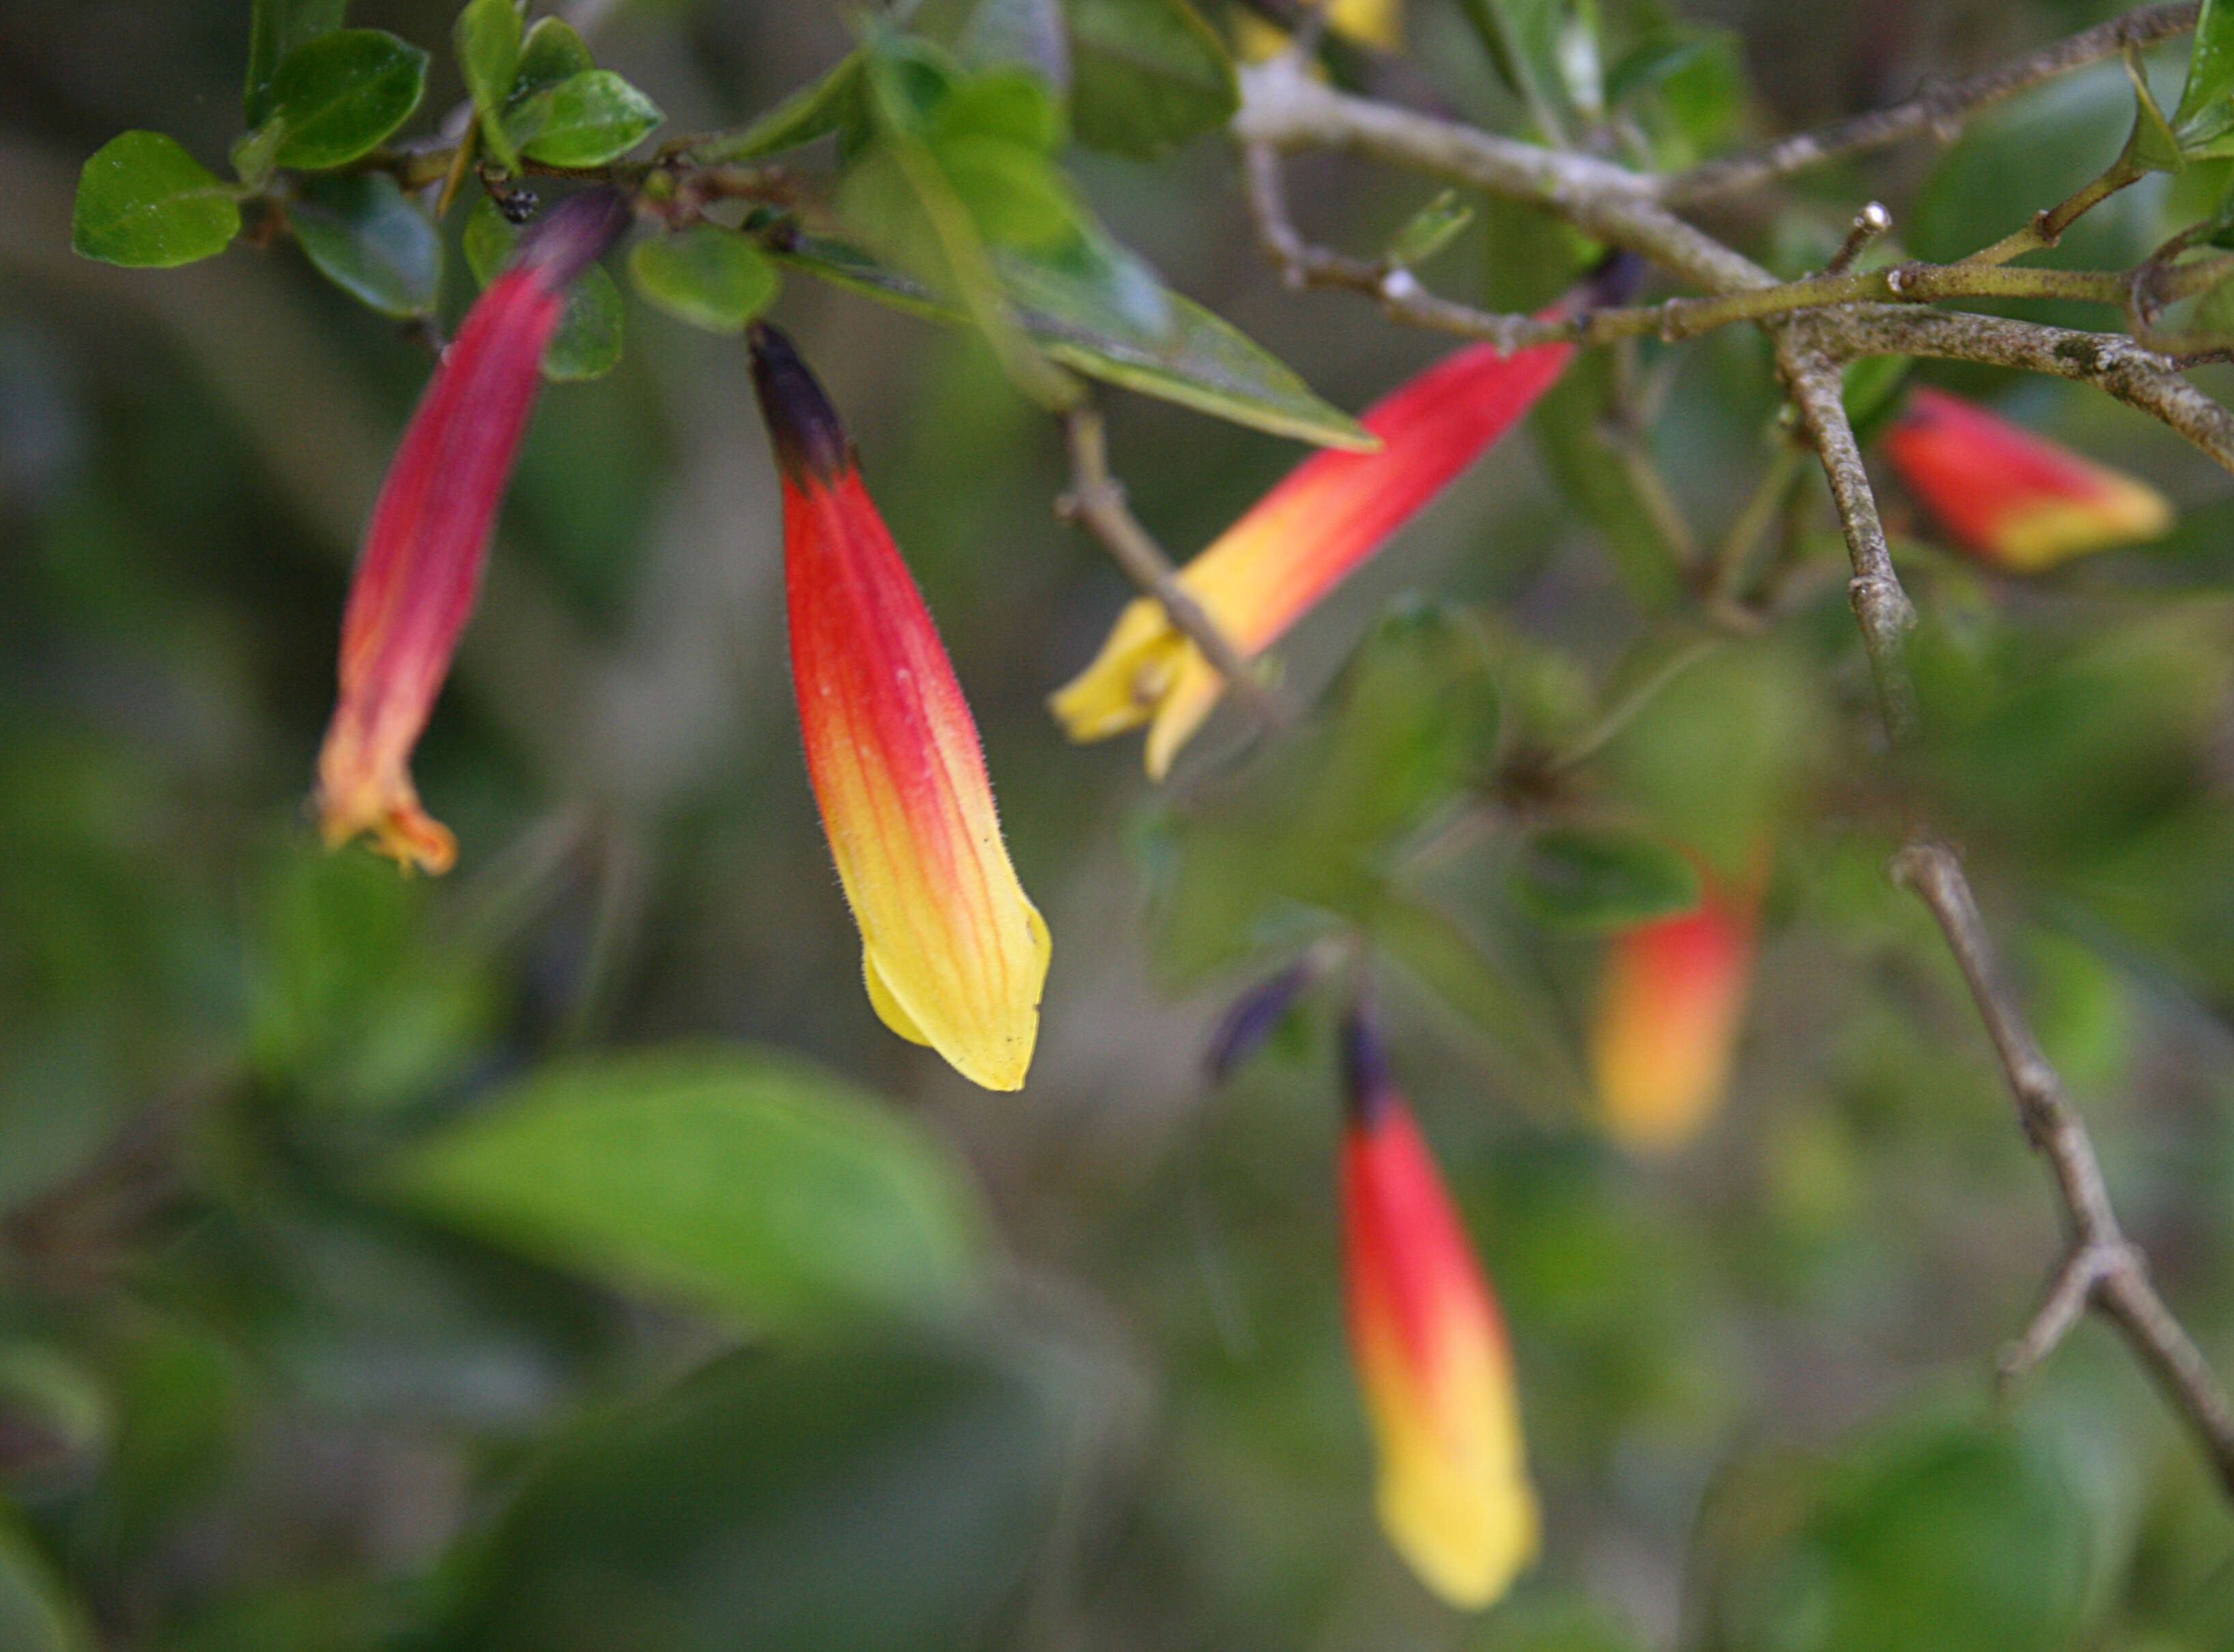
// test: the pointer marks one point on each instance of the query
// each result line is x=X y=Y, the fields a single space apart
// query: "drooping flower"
x=1326 y=517
x=953 y=953
x=420 y=568
x=2010 y=496
x=1430 y=1348
x=1671 y=1003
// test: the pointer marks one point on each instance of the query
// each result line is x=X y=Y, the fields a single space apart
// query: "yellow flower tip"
x=1122 y=688
x=1372 y=22
x=392 y=816
x=995 y=1051
x=1465 y=1546
x=1671 y=1006
x=2125 y=512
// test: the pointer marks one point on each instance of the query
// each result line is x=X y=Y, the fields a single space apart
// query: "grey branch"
x=1940 y=110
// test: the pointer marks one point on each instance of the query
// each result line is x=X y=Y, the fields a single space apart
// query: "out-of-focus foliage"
x=560 y=1255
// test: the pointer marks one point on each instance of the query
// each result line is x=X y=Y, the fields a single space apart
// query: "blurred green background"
x=561 y=1257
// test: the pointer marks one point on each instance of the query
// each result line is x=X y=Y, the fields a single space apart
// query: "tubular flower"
x=1321 y=521
x=2014 y=498
x=1670 y=1005
x=420 y=569
x=1430 y=1348
x=953 y=952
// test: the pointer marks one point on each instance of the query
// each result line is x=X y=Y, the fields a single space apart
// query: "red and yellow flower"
x=1671 y=1003
x=1430 y=1348
x=420 y=569
x=1329 y=514
x=2014 y=498
x=953 y=953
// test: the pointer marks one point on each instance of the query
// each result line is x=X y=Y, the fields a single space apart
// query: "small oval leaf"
x=487 y=39
x=335 y=97
x=709 y=277
x=366 y=237
x=586 y=120
x=143 y=201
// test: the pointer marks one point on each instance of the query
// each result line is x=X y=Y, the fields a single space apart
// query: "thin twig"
x=1941 y=110
x=1096 y=501
x=2102 y=1269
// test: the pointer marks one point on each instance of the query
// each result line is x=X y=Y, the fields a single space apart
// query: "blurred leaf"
x=336 y=97
x=276 y=28
x=1687 y=84
x=709 y=277
x=144 y=201
x=1098 y=309
x=1600 y=878
x=823 y=107
x=1964 y=1537
x=746 y=1182
x=37 y=1614
x=255 y=157
x=983 y=32
x=368 y=238
x=1014 y=196
x=878 y=1498
x=353 y=1002
x=2205 y=114
x=1569 y=425
x=1146 y=75
x=583 y=121
x=487 y=38
x=1428 y=230
x=1522 y=38
x=1871 y=392
x=588 y=342
x=1416 y=722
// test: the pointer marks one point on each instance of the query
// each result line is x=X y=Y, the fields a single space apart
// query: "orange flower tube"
x=1671 y=1003
x=1329 y=514
x=420 y=569
x=953 y=953
x=2009 y=496
x=1430 y=1348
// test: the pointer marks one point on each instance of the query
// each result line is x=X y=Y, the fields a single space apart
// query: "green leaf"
x=1870 y=389
x=144 y=201
x=1012 y=105
x=255 y=157
x=36 y=1614
x=1523 y=38
x=1097 y=308
x=588 y=342
x=744 y=1182
x=1146 y=75
x=2206 y=101
x=2153 y=144
x=830 y=103
x=487 y=38
x=1601 y=878
x=335 y=97
x=584 y=120
x=1569 y=423
x=980 y=33
x=1313 y=822
x=552 y=50
x=368 y=238
x=1013 y=195
x=276 y=28
x=709 y=277
x=1428 y=230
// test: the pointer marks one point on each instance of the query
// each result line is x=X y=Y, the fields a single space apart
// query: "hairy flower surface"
x=953 y=952
x=1671 y=1003
x=420 y=568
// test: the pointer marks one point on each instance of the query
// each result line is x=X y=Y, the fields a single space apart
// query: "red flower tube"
x=2013 y=499
x=953 y=953
x=1671 y=1003
x=1430 y=1349
x=1329 y=514
x=420 y=569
